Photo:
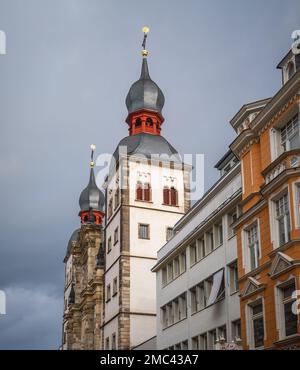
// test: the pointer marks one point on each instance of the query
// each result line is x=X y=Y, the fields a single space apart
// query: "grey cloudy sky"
x=63 y=83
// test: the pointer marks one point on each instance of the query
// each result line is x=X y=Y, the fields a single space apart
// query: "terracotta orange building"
x=268 y=226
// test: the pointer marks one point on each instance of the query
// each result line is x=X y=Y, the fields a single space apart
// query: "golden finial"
x=145 y=31
x=92 y=163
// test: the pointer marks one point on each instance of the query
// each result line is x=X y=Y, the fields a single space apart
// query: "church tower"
x=84 y=269
x=147 y=192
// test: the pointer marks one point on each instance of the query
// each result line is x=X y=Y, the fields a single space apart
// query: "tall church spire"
x=145 y=100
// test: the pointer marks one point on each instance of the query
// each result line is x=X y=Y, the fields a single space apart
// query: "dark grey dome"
x=72 y=239
x=145 y=94
x=91 y=197
x=148 y=146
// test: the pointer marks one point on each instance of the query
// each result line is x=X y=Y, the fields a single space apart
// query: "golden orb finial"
x=146 y=29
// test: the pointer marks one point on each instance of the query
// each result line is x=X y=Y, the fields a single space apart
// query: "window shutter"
x=139 y=191
x=173 y=197
x=166 y=195
x=147 y=197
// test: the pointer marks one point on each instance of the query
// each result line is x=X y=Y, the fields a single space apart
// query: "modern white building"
x=197 y=283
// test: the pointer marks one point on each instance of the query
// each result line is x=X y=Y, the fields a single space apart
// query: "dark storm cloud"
x=63 y=83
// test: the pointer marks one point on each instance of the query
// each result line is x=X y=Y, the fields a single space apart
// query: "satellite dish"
x=296 y=43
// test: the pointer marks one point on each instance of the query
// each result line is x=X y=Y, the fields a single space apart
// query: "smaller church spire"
x=91 y=199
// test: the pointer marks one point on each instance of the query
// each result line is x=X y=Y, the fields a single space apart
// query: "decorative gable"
x=281 y=263
x=252 y=286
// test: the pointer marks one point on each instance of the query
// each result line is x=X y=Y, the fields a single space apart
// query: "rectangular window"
x=193 y=253
x=169 y=233
x=170 y=313
x=212 y=339
x=113 y=342
x=258 y=324
x=193 y=295
x=200 y=249
x=290 y=319
x=195 y=343
x=170 y=272
x=107 y=343
x=219 y=234
x=297 y=205
x=176 y=267
x=203 y=342
x=236 y=330
x=182 y=262
x=253 y=246
x=182 y=307
x=164 y=317
x=108 y=293
x=233 y=278
x=201 y=299
x=116 y=235
x=232 y=217
x=222 y=332
x=290 y=135
x=178 y=347
x=144 y=231
x=283 y=219
x=176 y=310
x=209 y=241
x=109 y=244
x=115 y=286
x=185 y=345
x=164 y=276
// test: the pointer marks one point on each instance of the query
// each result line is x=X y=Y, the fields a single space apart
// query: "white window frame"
x=246 y=250
x=273 y=215
x=249 y=322
x=296 y=203
x=279 y=304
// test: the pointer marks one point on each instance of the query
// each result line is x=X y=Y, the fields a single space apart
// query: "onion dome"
x=145 y=93
x=92 y=198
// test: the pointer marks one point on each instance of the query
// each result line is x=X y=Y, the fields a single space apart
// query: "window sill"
x=175 y=323
x=170 y=282
x=171 y=205
x=205 y=308
x=208 y=254
x=144 y=201
x=144 y=238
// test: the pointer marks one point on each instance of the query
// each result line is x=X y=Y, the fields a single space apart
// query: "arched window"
x=139 y=191
x=138 y=122
x=147 y=192
x=290 y=70
x=149 y=122
x=174 y=196
x=143 y=191
x=166 y=195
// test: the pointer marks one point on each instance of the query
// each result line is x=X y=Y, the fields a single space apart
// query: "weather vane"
x=92 y=163
x=145 y=31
